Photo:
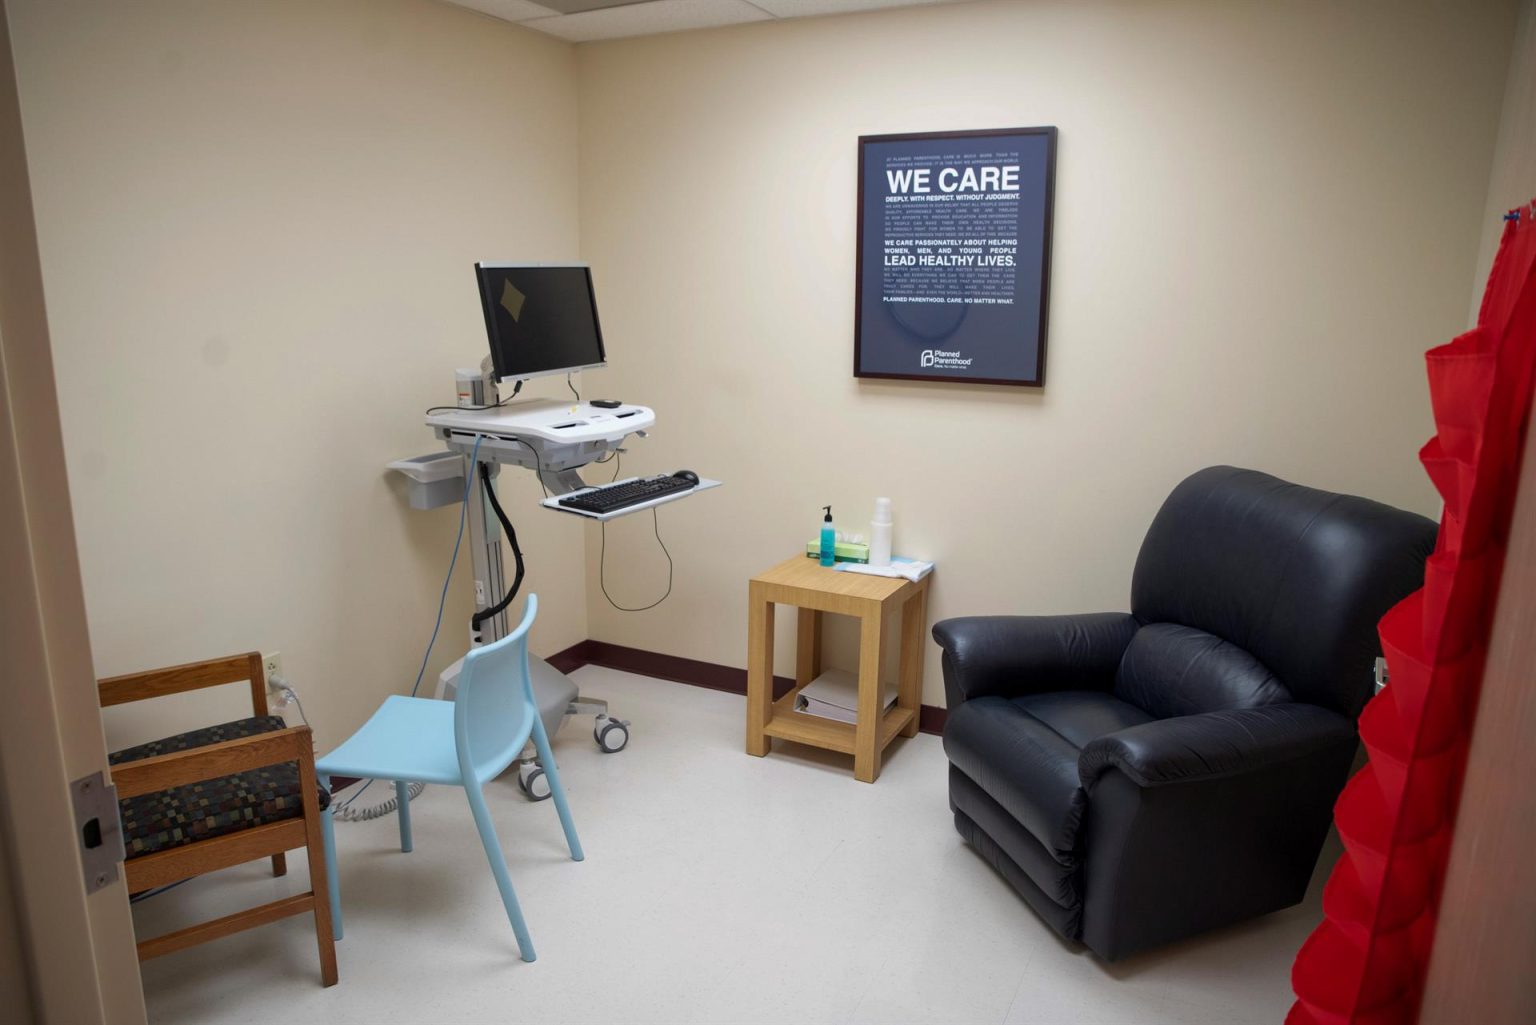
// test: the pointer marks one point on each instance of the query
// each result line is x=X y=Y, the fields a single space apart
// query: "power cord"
x=283 y=687
x=453 y=561
x=345 y=811
x=157 y=891
x=572 y=387
x=491 y=612
x=538 y=462
x=602 y=562
x=517 y=387
x=617 y=459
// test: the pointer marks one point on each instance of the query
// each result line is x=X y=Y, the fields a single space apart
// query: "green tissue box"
x=846 y=551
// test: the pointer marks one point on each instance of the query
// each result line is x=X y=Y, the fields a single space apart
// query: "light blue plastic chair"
x=465 y=743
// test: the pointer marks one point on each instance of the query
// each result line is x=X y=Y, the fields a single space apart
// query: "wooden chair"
x=221 y=796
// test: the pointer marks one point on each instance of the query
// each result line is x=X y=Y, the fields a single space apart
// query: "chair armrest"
x=211 y=672
x=1027 y=654
x=1214 y=745
x=148 y=775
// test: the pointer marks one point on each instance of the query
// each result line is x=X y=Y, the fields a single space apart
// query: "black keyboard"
x=622 y=496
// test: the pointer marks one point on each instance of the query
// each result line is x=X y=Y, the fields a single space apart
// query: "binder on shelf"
x=835 y=695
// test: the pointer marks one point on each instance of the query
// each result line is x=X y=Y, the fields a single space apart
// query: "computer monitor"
x=540 y=319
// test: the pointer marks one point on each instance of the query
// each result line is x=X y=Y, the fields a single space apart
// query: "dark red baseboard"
x=690 y=671
x=679 y=670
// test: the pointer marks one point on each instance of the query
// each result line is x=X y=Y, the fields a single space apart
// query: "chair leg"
x=498 y=861
x=325 y=930
x=551 y=773
x=279 y=864
x=328 y=828
x=403 y=798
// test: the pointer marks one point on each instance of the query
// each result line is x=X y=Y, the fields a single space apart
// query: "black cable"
x=616 y=457
x=572 y=387
x=157 y=891
x=480 y=409
x=602 y=564
x=537 y=462
x=517 y=554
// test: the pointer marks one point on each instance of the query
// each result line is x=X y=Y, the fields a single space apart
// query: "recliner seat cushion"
x=1170 y=670
x=1081 y=716
x=1022 y=752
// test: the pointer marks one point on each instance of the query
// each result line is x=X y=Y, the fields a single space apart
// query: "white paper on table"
x=913 y=569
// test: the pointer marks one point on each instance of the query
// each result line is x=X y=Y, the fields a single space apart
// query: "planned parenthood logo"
x=944 y=359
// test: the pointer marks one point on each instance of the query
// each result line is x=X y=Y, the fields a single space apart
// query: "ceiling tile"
x=648 y=18
x=812 y=8
x=508 y=10
x=581 y=6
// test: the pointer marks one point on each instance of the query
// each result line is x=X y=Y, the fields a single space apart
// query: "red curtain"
x=1366 y=962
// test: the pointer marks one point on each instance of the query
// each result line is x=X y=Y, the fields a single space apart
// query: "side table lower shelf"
x=788 y=723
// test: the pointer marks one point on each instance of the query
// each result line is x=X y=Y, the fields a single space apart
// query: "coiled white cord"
x=345 y=811
x=348 y=813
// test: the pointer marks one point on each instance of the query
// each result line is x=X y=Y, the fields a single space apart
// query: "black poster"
x=954 y=255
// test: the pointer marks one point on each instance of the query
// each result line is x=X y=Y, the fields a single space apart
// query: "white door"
x=67 y=957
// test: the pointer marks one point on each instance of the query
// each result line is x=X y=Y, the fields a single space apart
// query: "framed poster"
x=954 y=257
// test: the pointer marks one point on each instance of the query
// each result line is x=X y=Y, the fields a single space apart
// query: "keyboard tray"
x=553 y=502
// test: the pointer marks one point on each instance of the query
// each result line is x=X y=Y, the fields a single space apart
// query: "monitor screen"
x=541 y=320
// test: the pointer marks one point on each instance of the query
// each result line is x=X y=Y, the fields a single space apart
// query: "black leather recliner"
x=1140 y=777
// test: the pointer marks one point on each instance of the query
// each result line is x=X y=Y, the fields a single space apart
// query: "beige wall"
x=1513 y=181
x=257 y=225
x=1264 y=214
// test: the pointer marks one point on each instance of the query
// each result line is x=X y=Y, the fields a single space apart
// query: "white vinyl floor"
x=717 y=888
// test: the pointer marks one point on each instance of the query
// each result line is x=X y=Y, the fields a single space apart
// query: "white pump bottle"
x=880 y=534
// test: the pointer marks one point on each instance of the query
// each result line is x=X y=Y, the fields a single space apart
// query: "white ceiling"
x=581 y=21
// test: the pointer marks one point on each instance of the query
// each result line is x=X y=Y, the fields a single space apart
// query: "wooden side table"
x=815 y=589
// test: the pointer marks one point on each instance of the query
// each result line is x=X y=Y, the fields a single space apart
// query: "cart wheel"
x=611 y=735
x=532 y=781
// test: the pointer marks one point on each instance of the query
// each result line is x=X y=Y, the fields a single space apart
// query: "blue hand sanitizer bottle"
x=828 y=539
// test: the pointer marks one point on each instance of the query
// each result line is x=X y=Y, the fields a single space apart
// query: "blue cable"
x=442 y=600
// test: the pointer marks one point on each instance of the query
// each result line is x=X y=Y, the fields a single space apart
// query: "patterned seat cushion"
x=214 y=807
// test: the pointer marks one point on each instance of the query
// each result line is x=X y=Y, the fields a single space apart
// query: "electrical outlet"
x=272 y=664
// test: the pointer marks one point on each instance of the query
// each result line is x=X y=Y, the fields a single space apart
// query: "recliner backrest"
x=1170 y=670
x=1295 y=577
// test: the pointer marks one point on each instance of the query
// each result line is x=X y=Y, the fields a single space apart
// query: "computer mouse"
x=687 y=475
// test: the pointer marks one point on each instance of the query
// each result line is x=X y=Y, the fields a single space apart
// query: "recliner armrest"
x=1214 y=744
x=1029 y=654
